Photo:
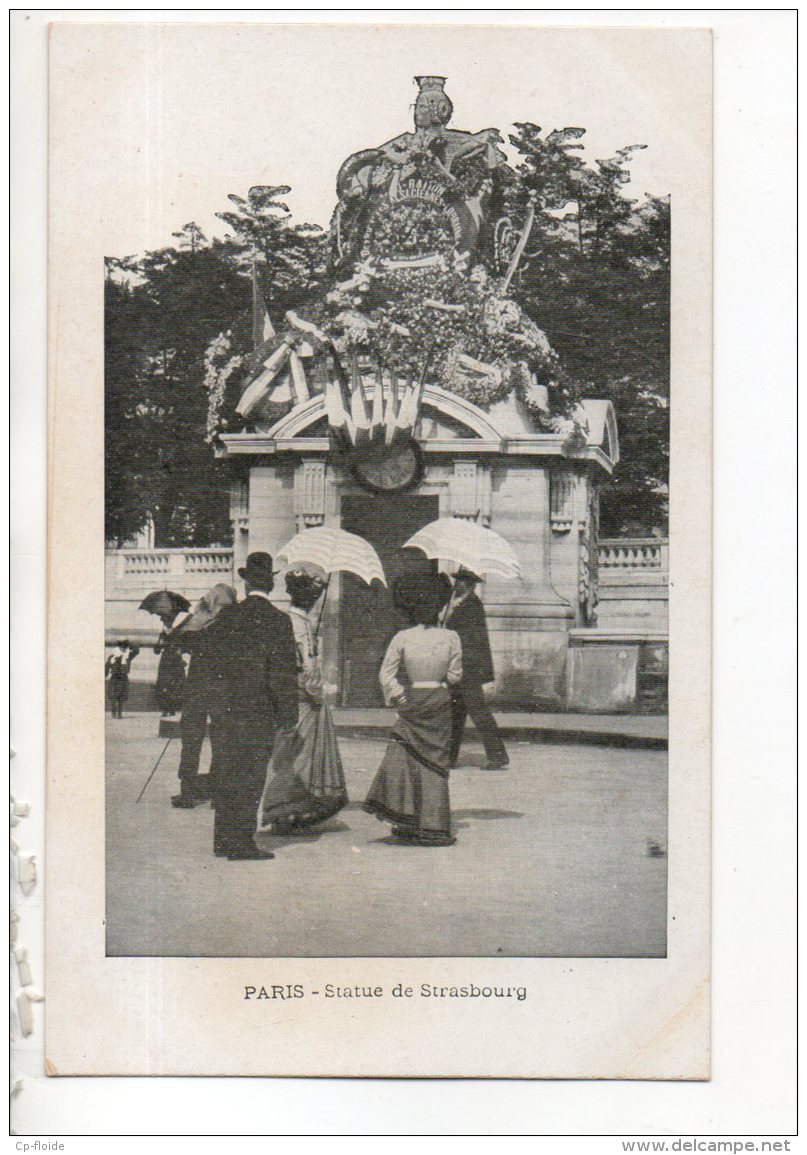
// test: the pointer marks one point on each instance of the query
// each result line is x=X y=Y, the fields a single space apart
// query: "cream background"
x=583 y=1018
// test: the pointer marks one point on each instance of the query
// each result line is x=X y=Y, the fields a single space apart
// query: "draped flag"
x=262 y=328
x=283 y=377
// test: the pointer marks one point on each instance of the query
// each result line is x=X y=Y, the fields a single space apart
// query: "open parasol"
x=164 y=602
x=468 y=545
x=333 y=550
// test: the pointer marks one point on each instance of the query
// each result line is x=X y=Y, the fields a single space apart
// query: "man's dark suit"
x=467 y=618
x=252 y=678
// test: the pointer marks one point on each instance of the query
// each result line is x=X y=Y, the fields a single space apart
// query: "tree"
x=596 y=278
x=157 y=331
x=290 y=257
x=190 y=236
x=127 y=433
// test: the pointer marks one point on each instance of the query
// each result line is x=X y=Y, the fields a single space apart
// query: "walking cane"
x=153 y=772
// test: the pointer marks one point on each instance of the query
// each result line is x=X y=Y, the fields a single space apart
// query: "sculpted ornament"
x=434 y=171
x=422 y=261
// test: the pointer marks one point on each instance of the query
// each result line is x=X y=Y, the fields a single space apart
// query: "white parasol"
x=468 y=545
x=333 y=550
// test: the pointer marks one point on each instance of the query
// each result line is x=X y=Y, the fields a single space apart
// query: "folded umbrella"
x=468 y=545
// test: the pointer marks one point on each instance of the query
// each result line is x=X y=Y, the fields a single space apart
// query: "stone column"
x=271 y=508
x=568 y=518
x=239 y=516
x=309 y=493
x=528 y=619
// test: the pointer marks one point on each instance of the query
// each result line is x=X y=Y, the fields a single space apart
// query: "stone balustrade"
x=626 y=554
x=176 y=564
x=634 y=554
x=633 y=578
x=130 y=574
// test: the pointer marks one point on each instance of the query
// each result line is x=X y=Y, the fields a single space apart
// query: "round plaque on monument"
x=387 y=468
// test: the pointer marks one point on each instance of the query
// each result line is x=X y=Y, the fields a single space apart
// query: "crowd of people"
x=255 y=672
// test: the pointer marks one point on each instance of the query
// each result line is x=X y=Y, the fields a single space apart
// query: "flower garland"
x=435 y=315
x=477 y=341
x=220 y=364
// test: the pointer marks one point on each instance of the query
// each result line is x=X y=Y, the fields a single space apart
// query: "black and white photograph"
x=387 y=553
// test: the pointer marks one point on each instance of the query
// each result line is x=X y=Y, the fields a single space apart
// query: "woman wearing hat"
x=306 y=783
x=410 y=789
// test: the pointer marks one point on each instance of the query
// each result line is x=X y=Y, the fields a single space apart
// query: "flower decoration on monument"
x=422 y=262
x=221 y=364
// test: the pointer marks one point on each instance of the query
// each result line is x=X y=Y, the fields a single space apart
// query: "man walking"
x=465 y=615
x=253 y=693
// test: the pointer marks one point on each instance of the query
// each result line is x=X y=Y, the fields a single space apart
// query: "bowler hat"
x=258 y=570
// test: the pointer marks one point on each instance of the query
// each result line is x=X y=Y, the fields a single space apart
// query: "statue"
x=423 y=258
x=435 y=184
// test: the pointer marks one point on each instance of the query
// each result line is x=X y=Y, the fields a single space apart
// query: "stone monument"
x=418 y=388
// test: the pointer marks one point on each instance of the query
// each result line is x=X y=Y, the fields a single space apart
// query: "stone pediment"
x=443 y=415
x=446 y=421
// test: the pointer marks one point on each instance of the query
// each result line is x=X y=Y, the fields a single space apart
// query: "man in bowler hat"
x=252 y=668
x=465 y=615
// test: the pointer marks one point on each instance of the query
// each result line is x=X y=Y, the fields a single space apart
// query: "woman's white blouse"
x=427 y=654
x=304 y=639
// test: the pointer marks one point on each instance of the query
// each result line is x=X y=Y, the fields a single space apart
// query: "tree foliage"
x=596 y=278
x=157 y=328
x=291 y=257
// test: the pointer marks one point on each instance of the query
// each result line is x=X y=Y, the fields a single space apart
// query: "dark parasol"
x=164 y=602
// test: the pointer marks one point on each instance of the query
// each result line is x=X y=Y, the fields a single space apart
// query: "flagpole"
x=257 y=309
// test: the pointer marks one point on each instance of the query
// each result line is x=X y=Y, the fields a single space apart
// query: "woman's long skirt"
x=170 y=679
x=306 y=782
x=411 y=786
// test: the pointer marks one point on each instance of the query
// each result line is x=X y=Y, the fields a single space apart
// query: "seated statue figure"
x=432 y=151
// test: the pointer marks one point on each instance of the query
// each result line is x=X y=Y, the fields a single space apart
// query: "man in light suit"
x=252 y=678
x=465 y=614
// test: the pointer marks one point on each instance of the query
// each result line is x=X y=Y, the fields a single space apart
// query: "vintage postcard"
x=379 y=551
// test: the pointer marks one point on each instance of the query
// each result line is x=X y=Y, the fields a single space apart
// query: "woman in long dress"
x=410 y=789
x=171 y=670
x=306 y=782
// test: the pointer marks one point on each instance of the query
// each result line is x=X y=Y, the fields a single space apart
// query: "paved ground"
x=563 y=855
x=644 y=730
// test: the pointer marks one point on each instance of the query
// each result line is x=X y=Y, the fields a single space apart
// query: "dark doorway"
x=367 y=617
